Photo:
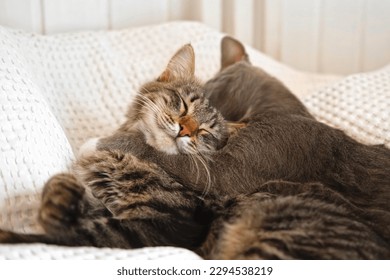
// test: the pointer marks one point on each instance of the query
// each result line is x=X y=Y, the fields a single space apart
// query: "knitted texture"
x=51 y=252
x=58 y=91
x=359 y=105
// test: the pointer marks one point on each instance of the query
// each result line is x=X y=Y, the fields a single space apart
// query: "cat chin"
x=182 y=145
x=163 y=143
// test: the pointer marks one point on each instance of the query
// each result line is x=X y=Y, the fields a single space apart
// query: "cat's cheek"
x=161 y=142
x=88 y=148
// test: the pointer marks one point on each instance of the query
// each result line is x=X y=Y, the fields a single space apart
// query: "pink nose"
x=188 y=126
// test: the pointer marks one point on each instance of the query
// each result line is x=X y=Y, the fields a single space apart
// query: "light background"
x=324 y=36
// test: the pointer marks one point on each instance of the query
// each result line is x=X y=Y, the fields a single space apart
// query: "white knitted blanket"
x=57 y=91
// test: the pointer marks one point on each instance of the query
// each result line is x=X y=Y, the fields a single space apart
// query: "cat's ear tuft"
x=181 y=65
x=232 y=51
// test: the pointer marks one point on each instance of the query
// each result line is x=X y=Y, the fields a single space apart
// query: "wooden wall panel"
x=331 y=36
x=243 y=18
x=125 y=13
x=211 y=13
x=376 y=34
x=23 y=14
x=272 y=28
x=184 y=10
x=70 y=15
x=340 y=38
x=259 y=24
x=300 y=33
x=228 y=17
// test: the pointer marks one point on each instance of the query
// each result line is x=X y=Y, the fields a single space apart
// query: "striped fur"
x=128 y=203
x=118 y=199
x=284 y=220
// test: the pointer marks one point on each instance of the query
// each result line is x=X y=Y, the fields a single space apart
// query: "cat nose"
x=184 y=131
x=188 y=126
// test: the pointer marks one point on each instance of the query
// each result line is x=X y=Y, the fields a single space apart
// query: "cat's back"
x=284 y=220
x=300 y=149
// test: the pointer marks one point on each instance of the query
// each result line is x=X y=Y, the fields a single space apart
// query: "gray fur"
x=283 y=186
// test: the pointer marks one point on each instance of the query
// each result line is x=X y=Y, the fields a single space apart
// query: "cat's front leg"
x=122 y=182
x=62 y=203
x=116 y=180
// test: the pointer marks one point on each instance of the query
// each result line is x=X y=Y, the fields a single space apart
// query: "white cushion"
x=358 y=104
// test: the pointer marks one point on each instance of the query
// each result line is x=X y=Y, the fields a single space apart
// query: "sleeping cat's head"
x=242 y=91
x=173 y=113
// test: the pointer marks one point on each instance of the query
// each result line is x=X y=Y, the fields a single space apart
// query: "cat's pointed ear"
x=232 y=51
x=181 y=65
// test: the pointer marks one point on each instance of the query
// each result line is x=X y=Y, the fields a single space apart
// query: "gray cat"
x=273 y=137
x=194 y=189
x=114 y=199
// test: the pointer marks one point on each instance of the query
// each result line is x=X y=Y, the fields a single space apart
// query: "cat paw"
x=10 y=237
x=61 y=203
x=5 y=236
x=103 y=166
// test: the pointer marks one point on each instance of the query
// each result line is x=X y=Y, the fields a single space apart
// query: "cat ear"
x=232 y=51
x=181 y=65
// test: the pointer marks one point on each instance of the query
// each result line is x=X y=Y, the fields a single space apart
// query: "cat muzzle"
x=188 y=126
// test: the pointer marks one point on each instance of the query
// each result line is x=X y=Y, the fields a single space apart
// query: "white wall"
x=332 y=36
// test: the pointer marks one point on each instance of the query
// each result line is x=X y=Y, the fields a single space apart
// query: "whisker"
x=194 y=164
x=148 y=100
x=157 y=108
x=208 y=178
x=150 y=104
x=145 y=104
x=197 y=156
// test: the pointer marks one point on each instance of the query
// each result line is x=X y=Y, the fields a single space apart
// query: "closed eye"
x=193 y=98
x=205 y=132
x=183 y=108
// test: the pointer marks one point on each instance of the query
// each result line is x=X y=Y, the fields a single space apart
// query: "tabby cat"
x=119 y=200
x=286 y=220
x=116 y=200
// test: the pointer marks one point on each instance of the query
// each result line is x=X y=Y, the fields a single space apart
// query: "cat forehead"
x=239 y=66
x=190 y=93
x=182 y=88
x=243 y=68
x=197 y=104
